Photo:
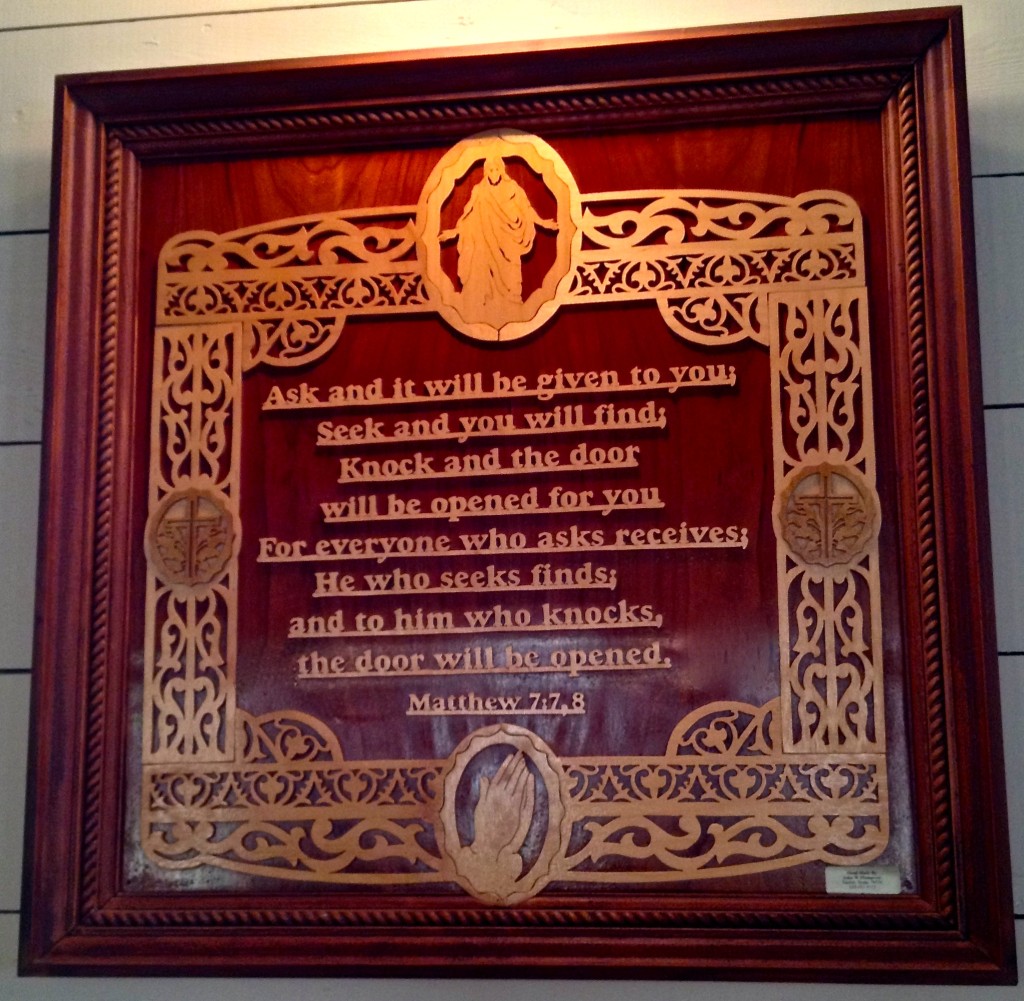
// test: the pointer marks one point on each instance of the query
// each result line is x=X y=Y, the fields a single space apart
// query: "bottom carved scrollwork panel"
x=503 y=817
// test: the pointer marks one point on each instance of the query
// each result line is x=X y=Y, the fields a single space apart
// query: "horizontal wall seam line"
x=15 y=670
x=24 y=232
x=1003 y=406
x=4 y=444
x=205 y=13
x=1008 y=173
x=1010 y=653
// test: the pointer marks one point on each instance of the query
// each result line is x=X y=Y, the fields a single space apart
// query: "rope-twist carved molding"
x=539 y=112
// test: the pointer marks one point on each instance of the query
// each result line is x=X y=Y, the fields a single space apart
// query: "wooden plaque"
x=520 y=510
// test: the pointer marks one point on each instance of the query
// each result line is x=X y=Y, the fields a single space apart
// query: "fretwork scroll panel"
x=708 y=259
x=191 y=544
x=826 y=517
x=724 y=799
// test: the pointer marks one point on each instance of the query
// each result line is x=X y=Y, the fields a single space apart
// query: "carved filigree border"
x=724 y=791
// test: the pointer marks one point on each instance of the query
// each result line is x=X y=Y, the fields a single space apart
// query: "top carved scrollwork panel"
x=671 y=219
x=707 y=258
x=326 y=241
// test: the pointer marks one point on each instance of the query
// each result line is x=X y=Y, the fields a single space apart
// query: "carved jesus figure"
x=495 y=232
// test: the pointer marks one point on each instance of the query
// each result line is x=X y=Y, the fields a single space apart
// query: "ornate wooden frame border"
x=906 y=69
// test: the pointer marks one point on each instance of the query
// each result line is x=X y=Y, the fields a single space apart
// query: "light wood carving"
x=739 y=788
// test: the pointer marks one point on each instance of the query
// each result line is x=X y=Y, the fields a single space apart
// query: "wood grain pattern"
x=936 y=425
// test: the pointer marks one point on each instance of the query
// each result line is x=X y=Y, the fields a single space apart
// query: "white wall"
x=41 y=38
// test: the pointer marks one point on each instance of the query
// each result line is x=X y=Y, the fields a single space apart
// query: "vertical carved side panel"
x=191 y=545
x=826 y=520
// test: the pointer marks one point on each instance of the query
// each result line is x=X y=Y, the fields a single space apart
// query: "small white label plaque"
x=875 y=879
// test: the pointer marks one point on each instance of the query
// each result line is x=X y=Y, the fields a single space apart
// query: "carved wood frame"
x=905 y=68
